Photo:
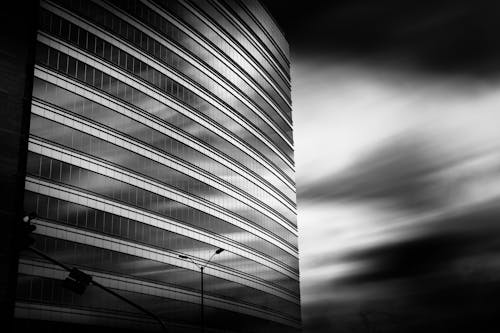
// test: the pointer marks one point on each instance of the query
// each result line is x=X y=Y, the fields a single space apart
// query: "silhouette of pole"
x=202 y=305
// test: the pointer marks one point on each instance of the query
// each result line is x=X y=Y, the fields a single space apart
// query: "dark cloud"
x=397 y=172
x=422 y=257
x=408 y=259
x=441 y=275
x=423 y=274
x=438 y=36
x=447 y=280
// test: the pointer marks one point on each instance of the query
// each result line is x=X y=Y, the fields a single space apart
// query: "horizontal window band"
x=116 y=173
x=206 y=43
x=71 y=316
x=59 y=190
x=159 y=234
x=263 y=31
x=200 y=167
x=115 y=282
x=259 y=33
x=266 y=21
x=141 y=27
x=167 y=129
x=62 y=210
x=167 y=161
x=178 y=106
x=204 y=168
x=222 y=42
x=215 y=268
x=123 y=75
x=179 y=121
x=247 y=244
x=142 y=54
x=83 y=316
x=56 y=202
x=242 y=40
x=116 y=262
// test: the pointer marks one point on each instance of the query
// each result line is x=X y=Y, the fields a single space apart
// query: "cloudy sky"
x=396 y=120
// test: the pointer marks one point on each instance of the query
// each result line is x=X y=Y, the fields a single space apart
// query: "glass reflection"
x=39 y=288
x=71 y=138
x=103 y=222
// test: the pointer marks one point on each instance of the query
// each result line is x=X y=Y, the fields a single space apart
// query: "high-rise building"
x=160 y=132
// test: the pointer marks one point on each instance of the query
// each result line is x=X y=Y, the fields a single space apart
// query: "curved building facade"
x=160 y=132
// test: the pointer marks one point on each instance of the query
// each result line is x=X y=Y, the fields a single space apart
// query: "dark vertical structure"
x=16 y=74
x=161 y=129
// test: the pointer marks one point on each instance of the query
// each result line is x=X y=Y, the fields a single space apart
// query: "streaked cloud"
x=398 y=179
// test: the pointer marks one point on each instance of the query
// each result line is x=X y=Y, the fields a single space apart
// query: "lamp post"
x=202 y=268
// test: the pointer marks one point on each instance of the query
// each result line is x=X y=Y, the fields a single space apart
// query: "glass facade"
x=161 y=128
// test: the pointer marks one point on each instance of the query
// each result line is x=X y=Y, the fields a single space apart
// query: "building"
x=161 y=129
x=16 y=74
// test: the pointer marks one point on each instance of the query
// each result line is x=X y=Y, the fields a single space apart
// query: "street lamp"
x=182 y=256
